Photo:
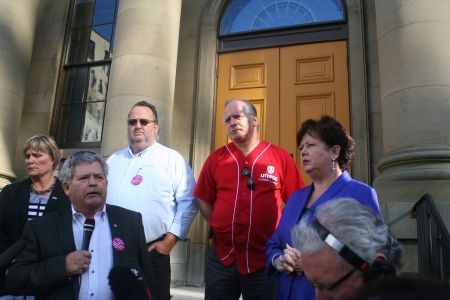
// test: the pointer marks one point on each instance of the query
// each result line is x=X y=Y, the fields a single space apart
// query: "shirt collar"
x=332 y=190
x=79 y=217
x=141 y=152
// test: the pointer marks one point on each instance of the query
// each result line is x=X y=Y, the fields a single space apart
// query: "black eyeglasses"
x=250 y=182
x=143 y=122
x=332 y=287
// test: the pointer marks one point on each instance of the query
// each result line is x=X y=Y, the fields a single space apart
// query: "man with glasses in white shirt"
x=156 y=181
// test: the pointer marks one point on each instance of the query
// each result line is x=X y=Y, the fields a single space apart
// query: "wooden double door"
x=287 y=85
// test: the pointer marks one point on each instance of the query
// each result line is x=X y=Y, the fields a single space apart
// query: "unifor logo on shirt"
x=268 y=176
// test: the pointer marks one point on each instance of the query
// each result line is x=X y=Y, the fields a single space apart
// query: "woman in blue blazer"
x=326 y=154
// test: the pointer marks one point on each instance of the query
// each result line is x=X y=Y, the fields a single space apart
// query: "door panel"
x=251 y=75
x=287 y=85
x=313 y=82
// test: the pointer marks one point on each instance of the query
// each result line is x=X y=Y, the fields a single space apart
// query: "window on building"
x=88 y=53
x=253 y=24
x=255 y=15
x=91 y=50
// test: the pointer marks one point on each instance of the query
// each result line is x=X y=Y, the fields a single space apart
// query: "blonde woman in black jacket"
x=33 y=197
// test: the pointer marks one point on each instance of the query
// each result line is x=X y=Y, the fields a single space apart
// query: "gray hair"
x=249 y=110
x=355 y=225
x=80 y=157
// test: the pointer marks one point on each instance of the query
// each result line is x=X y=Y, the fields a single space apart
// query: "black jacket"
x=40 y=269
x=14 y=200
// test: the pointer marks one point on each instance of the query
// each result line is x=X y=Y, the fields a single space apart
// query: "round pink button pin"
x=118 y=244
x=136 y=180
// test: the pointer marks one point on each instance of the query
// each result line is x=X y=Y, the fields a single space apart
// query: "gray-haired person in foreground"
x=344 y=247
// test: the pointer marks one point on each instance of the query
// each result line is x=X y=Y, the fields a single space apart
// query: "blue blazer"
x=292 y=286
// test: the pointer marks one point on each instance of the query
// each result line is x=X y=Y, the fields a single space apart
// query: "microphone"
x=127 y=281
x=88 y=228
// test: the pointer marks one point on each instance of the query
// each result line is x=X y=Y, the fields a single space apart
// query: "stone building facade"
x=168 y=52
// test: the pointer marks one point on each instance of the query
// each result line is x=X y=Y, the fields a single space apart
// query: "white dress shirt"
x=94 y=282
x=164 y=194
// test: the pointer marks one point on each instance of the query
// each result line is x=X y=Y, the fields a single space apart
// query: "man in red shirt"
x=241 y=189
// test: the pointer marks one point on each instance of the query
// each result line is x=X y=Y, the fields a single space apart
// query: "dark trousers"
x=161 y=270
x=225 y=282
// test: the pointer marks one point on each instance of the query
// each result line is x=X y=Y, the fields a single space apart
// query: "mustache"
x=93 y=191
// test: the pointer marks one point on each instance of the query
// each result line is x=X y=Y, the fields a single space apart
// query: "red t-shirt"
x=242 y=219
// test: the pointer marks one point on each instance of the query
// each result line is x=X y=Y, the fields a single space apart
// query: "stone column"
x=17 y=26
x=413 y=51
x=143 y=67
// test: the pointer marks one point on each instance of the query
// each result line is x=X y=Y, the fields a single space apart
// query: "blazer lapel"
x=23 y=200
x=65 y=235
x=298 y=209
x=337 y=186
x=116 y=231
x=65 y=231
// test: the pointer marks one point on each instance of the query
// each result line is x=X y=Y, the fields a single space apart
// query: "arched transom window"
x=242 y=16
